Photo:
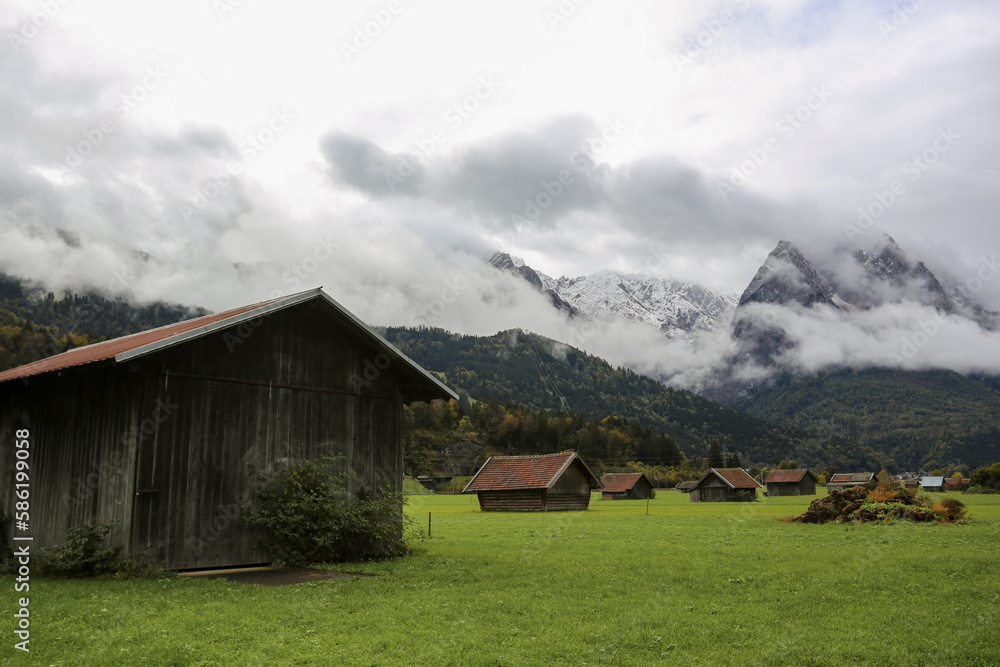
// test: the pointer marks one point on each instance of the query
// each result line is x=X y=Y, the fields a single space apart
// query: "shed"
x=932 y=483
x=550 y=482
x=685 y=487
x=847 y=480
x=168 y=431
x=626 y=486
x=798 y=482
x=956 y=484
x=720 y=485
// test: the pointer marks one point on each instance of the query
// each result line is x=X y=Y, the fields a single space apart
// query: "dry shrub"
x=881 y=495
x=787 y=519
x=950 y=509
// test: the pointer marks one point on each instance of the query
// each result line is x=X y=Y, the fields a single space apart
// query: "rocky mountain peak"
x=785 y=277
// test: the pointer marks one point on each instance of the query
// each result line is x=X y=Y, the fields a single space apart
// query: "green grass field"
x=689 y=584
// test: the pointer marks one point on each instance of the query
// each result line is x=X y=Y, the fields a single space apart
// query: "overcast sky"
x=218 y=152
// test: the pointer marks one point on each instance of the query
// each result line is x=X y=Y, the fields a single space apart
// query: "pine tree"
x=715 y=457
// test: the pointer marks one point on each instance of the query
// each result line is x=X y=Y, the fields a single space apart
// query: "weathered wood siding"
x=573 y=481
x=807 y=487
x=565 y=502
x=519 y=500
x=710 y=494
x=173 y=444
x=641 y=490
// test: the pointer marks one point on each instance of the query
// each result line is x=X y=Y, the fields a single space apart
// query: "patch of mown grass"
x=691 y=583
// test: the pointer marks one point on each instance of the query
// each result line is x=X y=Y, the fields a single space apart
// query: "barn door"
x=151 y=511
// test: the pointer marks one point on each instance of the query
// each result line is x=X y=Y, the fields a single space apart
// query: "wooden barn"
x=547 y=483
x=685 y=487
x=799 y=482
x=847 y=480
x=932 y=484
x=168 y=431
x=720 y=485
x=626 y=486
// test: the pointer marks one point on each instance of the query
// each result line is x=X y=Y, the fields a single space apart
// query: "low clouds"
x=583 y=148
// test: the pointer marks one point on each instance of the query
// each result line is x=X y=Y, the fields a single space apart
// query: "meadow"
x=687 y=584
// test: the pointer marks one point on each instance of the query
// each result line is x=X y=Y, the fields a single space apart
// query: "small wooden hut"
x=798 y=482
x=932 y=483
x=626 y=486
x=956 y=484
x=720 y=485
x=546 y=483
x=847 y=480
x=685 y=487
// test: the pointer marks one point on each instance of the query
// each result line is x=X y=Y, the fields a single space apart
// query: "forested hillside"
x=87 y=314
x=915 y=420
x=547 y=375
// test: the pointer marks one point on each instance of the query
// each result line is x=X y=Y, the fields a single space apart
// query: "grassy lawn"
x=689 y=584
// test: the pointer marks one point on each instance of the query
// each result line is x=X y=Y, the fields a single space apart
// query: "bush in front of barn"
x=83 y=554
x=309 y=516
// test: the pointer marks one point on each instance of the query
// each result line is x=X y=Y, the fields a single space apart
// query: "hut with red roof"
x=167 y=432
x=798 y=482
x=546 y=483
x=720 y=485
x=626 y=486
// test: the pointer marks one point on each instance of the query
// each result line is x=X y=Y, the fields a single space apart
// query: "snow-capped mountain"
x=846 y=279
x=673 y=308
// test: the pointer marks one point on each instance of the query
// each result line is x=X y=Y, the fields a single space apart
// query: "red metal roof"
x=793 y=476
x=525 y=472
x=116 y=346
x=736 y=478
x=145 y=342
x=619 y=482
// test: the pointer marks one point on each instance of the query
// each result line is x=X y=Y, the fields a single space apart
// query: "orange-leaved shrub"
x=881 y=495
x=950 y=509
